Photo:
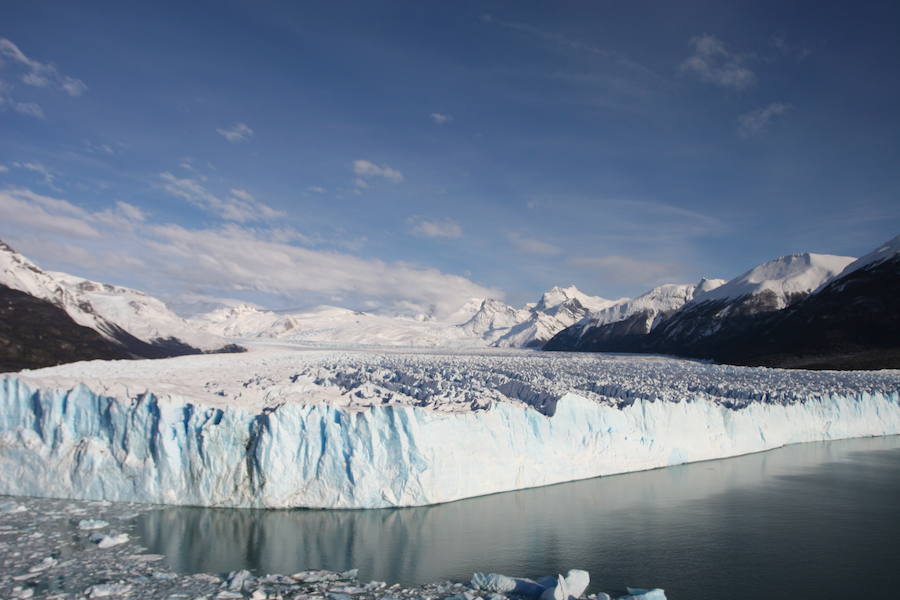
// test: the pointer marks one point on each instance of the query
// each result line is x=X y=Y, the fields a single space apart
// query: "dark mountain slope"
x=36 y=333
x=853 y=322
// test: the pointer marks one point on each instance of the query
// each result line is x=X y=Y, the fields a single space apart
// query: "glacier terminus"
x=284 y=427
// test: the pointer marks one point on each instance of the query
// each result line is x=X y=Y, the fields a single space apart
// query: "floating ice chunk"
x=11 y=508
x=572 y=585
x=644 y=594
x=577 y=582
x=92 y=524
x=105 y=590
x=493 y=582
x=236 y=580
x=22 y=593
x=43 y=565
x=557 y=592
x=108 y=541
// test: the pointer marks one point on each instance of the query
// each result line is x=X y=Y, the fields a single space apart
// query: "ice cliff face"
x=362 y=431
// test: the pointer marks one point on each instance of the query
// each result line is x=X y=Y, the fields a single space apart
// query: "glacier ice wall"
x=80 y=444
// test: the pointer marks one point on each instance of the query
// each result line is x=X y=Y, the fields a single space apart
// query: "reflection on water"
x=816 y=518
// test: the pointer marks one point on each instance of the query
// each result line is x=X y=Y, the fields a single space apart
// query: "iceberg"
x=354 y=430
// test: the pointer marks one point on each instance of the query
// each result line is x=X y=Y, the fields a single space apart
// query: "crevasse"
x=76 y=443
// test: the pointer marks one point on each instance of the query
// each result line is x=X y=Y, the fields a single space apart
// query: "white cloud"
x=240 y=206
x=40 y=74
x=3 y=168
x=530 y=245
x=435 y=228
x=365 y=169
x=239 y=132
x=224 y=260
x=756 y=121
x=317 y=189
x=441 y=119
x=624 y=269
x=22 y=209
x=713 y=63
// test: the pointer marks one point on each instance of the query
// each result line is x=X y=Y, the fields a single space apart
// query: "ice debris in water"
x=11 y=508
x=42 y=555
x=92 y=524
x=108 y=541
x=573 y=585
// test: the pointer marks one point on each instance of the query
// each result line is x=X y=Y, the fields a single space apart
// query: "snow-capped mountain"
x=652 y=306
x=800 y=311
x=504 y=326
x=138 y=322
x=768 y=287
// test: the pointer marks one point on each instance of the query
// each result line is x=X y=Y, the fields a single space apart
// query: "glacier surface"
x=286 y=428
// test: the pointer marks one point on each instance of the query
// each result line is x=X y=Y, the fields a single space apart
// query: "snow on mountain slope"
x=531 y=326
x=492 y=317
x=783 y=279
x=478 y=322
x=364 y=430
x=661 y=300
x=557 y=298
x=108 y=309
x=333 y=325
x=887 y=251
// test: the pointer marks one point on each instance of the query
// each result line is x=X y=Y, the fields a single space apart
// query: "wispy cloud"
x=47 y=176
x=29 y=109
x=38 y=74
x=779 y=41
x=239 y=205
x=223 y=260
x=530 y=245
x=572 y=44
x=435 y=228
x=239 y=132
x=713 y=63
x=365 y=169
x=22 y=209
x=756 y=121
x=440 y=118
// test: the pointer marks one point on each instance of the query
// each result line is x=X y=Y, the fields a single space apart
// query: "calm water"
x=808 y=521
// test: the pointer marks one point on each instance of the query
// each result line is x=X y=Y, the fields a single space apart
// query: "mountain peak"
x=785 y=276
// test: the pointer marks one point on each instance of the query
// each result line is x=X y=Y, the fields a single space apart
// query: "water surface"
x=818 y=520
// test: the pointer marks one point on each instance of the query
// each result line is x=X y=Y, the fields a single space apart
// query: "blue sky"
x=413 y=154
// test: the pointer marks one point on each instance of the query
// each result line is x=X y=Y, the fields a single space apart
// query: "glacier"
x=284 y=428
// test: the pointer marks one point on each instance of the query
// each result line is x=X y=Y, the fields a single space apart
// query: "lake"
x=819 y=520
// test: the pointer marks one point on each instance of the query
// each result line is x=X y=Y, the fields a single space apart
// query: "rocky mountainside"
x=36 y=333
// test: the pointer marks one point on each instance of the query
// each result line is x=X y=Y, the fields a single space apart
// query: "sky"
x=407 y=156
